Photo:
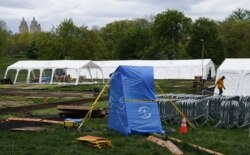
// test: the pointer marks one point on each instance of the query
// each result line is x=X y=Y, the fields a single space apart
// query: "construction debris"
x=34 y=129
x=35 y=120
x=79 y=111
x=166 y=144
x=96 y=142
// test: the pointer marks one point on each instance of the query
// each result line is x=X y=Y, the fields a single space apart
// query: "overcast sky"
x=91 y=13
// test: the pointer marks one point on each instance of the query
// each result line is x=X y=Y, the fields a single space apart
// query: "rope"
x=88 y=115
x=174 y=105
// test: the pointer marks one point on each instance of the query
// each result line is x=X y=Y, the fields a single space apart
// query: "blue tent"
x=132 y=105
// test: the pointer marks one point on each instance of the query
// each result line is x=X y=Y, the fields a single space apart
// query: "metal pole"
x=202 y=57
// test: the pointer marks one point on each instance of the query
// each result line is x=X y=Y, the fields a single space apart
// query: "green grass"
x=57 y=141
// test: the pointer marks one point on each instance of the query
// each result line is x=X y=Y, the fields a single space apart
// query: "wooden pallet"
x=79 y=111
x=96 y=142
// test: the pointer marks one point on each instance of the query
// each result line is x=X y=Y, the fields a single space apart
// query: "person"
x=220 y=84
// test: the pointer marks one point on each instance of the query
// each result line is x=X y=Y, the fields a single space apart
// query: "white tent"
x=163 y=69
x=237 y=74
x=72 y=68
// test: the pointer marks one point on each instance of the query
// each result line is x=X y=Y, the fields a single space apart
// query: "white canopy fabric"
x=237 y=74
x=163 y=69
x=72 y=67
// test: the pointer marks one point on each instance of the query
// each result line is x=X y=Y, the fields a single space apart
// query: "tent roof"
x=235 y=64
x=192 y=62
x=47 y=64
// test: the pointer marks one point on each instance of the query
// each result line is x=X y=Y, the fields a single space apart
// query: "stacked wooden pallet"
x=79 y=111
x=96 y=142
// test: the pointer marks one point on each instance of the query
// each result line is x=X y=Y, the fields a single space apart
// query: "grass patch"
x=57 y=141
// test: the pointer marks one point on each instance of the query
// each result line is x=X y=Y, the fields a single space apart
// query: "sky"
x=98 y=13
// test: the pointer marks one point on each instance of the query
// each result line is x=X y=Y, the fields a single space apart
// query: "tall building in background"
x=23 y=27
x=34 y=26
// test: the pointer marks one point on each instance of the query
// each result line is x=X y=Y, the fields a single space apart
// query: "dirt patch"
x=7 y=125
x=5 y=104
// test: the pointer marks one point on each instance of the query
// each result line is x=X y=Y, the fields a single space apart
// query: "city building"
x=34 y=26
x=23 y=27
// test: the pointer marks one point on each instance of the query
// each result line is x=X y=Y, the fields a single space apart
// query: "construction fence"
x=225 y=112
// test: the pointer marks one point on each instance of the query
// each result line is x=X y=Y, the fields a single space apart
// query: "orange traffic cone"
x=183 y=128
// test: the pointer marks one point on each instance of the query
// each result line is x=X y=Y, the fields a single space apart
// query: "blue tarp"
x=132 y=105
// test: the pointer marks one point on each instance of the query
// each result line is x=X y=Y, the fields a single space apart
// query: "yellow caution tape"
x=88 y=115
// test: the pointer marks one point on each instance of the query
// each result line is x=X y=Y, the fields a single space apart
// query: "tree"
x=239 y=14
x=169 y=29
x=236 y=36
x=45 y=43
x=205 y=36
x=134 y=39
x=65 y=36
x=4 y=34
x=32 y=50
x=111 y=35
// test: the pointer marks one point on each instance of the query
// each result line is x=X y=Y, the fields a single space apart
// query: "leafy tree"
x=239 y=14
x=45 y=43
x=4 y=34
x=32 y=50
x=134 y=39
x=205 y=37
x=23 y=41
x=65 y=35
x=169 y=29
x=111 y=35
x=90 y=45
x=236 y=36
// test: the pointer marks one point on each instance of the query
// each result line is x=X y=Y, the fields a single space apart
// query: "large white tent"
x=237 y=74
x=71 y=68
x=163 y=69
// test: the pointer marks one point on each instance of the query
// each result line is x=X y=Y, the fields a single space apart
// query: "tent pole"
x=17 y=72
x=28 y=76
x=6 y=73
x=78 y=76
x=40 y=76
x=90 y=74
x=52 y=76
x=102 y=76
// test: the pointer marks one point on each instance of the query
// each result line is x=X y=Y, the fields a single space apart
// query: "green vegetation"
x=167 y=35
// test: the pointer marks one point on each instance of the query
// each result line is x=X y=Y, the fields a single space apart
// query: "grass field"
x=55 y=140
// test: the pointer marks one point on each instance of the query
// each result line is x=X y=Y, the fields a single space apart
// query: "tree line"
x=167 y=35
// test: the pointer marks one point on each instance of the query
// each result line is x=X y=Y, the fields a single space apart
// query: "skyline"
x=98 y=13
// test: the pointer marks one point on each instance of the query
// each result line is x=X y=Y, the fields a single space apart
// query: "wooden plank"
x=74 y=107
x=166 y=144
x=34 y=120
x=52 y=121
x=24 y=119
x=34 y=129
x=196 y=147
